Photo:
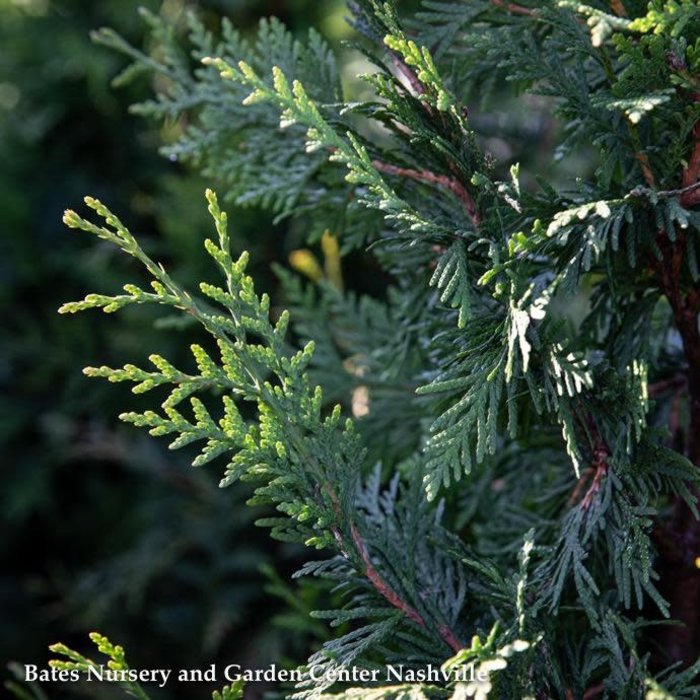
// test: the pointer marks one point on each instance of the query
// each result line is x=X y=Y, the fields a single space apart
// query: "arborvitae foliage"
x=517 y=489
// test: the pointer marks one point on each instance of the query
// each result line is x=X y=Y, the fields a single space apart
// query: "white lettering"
x=95 y=673
x=316 y=673
x=232 y=672
x=393 y=673
x=164 y=674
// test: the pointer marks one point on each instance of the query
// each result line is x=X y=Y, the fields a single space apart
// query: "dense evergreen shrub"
x=496 y=459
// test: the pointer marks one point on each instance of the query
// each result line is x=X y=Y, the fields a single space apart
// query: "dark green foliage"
x=526 y=498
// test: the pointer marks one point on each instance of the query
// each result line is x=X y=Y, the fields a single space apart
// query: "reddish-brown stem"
x=645 y=165
x=514 y=8
x=600 y=470
x=691 y=172
x=599 y=466
x=674 y=419
x=618 y=8
x=408 y=74
x=685 y=308
x=678 y=540
x=576 y=493
x=677 y=545
x=427 y=176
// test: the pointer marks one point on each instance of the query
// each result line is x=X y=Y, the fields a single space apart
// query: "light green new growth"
x=252 y=368
x=73 y=661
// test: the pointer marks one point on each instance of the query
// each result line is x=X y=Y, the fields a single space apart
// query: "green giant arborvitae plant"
x=497 y=461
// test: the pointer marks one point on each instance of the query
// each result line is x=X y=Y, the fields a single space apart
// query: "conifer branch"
x=369 y=569
x=287 y=420
x=663 y=194
x=380 y=585
x=375 y=578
